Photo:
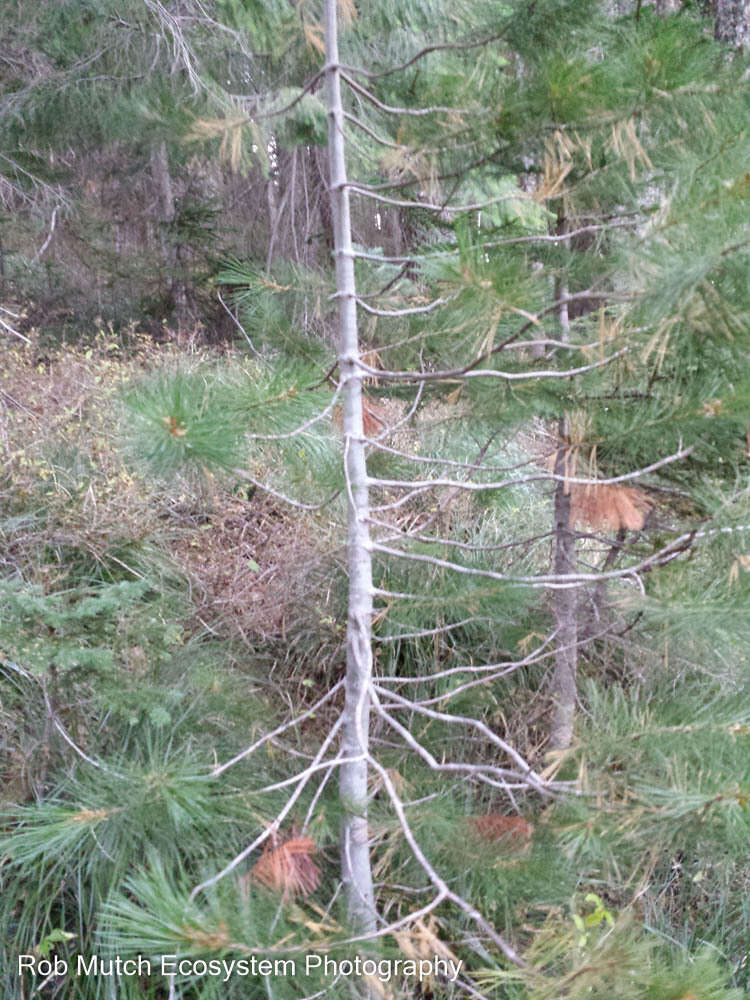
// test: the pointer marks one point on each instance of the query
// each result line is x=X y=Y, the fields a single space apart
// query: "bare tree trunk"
x=355 y=851
x=733 y=23
x=565 y=607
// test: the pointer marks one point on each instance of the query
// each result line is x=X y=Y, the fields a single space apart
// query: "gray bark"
x=733 y=23
x=355 y=852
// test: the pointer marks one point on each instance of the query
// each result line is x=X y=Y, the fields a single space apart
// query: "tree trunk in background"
x=565 y=601
x=162 y=181
x=733 y=23
x=170 y=252
x=598 y=618
x=355 y=850
x=325 y=209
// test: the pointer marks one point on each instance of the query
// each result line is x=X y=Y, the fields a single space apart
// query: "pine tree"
x=587 y=125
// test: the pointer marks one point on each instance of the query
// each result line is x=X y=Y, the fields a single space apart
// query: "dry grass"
x=67 y=492
x=61 y=469
x=250 y=566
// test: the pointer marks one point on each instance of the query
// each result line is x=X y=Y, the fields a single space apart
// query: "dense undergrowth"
x=149 y=631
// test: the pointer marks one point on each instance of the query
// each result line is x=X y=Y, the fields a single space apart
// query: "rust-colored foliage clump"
x=514 y=832
x=608 y=507
x=175 y=428
x=287 y=867
x=376 y=416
